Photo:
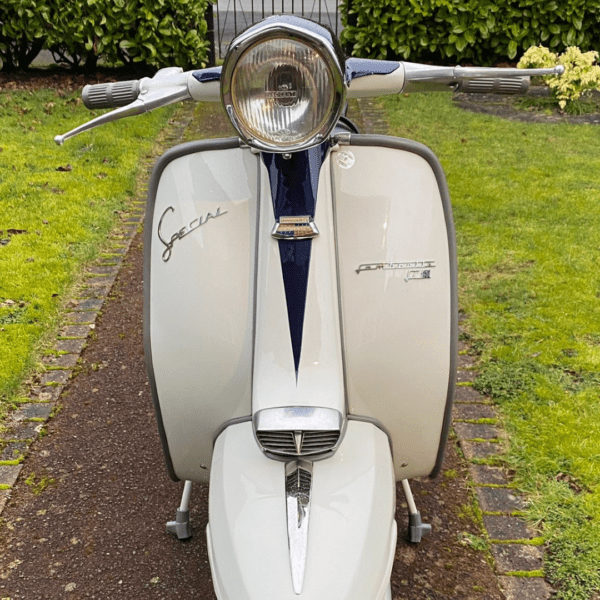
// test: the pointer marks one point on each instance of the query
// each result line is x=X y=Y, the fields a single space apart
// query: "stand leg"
x=181 y=526
x=416 y=528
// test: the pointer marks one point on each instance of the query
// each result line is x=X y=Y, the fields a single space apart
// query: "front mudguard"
x=351 y=533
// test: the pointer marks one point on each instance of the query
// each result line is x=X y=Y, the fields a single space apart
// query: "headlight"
x=282 y=84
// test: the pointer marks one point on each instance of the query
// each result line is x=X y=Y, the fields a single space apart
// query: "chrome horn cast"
x=298 y=485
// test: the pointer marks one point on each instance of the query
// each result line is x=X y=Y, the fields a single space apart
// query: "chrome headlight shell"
x=282 y=84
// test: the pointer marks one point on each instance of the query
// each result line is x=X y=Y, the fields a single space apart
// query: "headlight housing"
x=282 y=84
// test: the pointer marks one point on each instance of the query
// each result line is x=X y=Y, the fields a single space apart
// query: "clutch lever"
x=166 y=87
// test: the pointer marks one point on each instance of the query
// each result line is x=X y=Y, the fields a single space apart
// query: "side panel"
x=351 y=533
x=397 y=272
x=199 y=280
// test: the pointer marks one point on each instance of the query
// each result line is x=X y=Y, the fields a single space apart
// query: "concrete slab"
x=517 y=557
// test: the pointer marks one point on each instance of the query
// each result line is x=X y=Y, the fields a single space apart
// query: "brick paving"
x=518 y=559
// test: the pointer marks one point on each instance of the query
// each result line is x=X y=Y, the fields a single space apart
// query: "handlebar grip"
x=110 y=95
x=489 y=85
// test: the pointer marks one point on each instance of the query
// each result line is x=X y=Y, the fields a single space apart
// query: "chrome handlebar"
x=426 y=78
x=173 y=85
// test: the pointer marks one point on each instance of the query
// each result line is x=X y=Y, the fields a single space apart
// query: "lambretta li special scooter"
x=300 y=309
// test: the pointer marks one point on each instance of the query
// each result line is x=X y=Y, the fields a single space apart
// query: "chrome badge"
x=416 y=269
x=345 y=159
x=294 y=228
x=185 y=230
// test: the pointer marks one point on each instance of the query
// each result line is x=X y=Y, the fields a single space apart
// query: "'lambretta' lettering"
x=187 y=229
x=424 y=265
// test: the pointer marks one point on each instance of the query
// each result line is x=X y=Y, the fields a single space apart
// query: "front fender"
x=351 y=533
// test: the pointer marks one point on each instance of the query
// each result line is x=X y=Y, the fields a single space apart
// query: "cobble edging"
x=515 y=546
x=25 y=424
x=516 y=549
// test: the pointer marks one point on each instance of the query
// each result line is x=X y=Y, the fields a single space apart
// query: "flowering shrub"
x=581 y=74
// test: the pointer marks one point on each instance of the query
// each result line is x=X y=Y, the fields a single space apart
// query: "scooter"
x=300 y=309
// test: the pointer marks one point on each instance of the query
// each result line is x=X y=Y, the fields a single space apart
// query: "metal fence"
x=233 y=16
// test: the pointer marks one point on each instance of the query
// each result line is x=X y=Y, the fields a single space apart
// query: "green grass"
x=53 y=221
x=548 y=105
x=526 y=202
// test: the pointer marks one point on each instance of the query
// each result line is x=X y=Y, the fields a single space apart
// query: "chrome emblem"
x=185 y=230
x=345 y=159
x=416 y=269
x=294 y=228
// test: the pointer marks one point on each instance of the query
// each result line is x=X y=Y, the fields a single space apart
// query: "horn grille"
x=311 y=442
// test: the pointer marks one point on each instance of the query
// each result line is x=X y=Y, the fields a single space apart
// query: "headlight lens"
x=283 y=90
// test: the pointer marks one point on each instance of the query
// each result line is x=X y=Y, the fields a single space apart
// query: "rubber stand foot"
x=181 y=526
x=417 y=530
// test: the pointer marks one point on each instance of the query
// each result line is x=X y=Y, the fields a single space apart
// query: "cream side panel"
x=201 y=309
x=351 y=533
x=396 y=331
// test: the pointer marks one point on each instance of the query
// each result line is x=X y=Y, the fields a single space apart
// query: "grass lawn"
x=57 y=205
x=526 y=202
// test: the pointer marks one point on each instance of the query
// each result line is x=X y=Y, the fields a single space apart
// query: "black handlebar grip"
x=110 y=95
x=492 y=85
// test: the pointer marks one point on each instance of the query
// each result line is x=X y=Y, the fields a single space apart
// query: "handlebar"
x=376 y=78
x=366 y=78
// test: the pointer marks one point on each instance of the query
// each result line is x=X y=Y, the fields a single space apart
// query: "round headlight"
x=282 y=86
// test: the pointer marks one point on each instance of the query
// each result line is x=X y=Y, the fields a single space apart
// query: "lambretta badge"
x=294 y=228
x=345 y=159
x=187 y=229
x=416 y=269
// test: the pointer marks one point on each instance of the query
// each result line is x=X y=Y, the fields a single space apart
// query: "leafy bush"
x=580 y=77
x=22 y=32
x=480 y=31
x=152 y=32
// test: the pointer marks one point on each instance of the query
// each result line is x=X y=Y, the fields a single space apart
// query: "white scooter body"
x=377 y=348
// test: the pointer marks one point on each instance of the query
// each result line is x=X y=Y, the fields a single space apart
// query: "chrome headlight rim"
x=278 y=29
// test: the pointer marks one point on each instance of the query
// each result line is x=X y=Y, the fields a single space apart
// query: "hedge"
x=477 y=31
x=82 y=32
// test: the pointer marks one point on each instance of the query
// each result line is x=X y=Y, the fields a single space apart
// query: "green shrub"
x=581 y=75
x=480 y=31
x=155 y=32
x=22 y=32
x=158 y=33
